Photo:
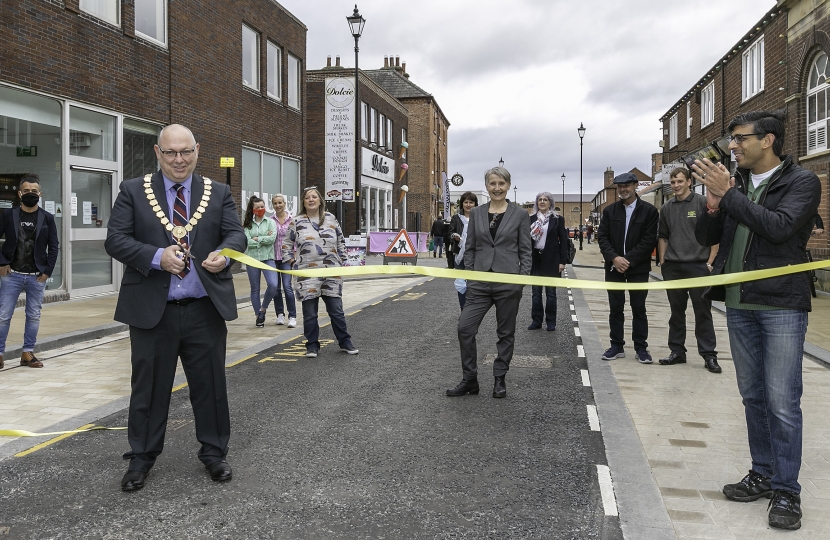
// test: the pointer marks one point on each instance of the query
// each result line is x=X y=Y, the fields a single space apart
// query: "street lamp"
x=501 y=162
x=581 y=132
x=563 y=196
x=356 y=22
x=515 y=197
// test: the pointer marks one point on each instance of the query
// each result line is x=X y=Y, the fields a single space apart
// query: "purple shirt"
x=191 y=286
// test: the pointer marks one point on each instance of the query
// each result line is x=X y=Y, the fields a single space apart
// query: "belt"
x=185 y=301
x=25 y=273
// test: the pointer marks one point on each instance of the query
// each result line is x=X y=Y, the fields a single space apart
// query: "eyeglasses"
x=171 y=154
x=739 y=138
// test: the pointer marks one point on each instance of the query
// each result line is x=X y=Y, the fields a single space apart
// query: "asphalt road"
x=341 y=446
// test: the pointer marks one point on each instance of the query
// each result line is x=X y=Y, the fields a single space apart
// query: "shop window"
x=265 y=175
x=106 y=10
x=817 y=89
x=250 y=58
x=150 y=19
x=274 y=71
x=753 y=69
x=91 y=134
x=294 y=78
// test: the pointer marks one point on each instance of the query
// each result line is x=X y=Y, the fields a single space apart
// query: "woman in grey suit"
x=498 y=240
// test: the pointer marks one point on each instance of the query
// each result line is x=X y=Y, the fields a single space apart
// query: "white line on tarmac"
x=593 y=419
x=580 y=351
x=573 y=308
x=607 y=490
x=570 y=298
x=586 y=379
x=576 y=331
x=574 y=319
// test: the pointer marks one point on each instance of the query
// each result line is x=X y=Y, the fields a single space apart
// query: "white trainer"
x=292 y=322
x=280 y=319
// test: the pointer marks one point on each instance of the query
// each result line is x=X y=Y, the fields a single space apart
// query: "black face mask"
x=29 y=199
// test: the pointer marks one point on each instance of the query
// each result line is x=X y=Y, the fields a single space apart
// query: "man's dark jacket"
x=640 y=241
x=46 y=239
x=779 y=224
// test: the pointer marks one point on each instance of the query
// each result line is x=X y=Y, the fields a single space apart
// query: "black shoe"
x=712 y=364
x=752 y=487
x=133 y=480
x=349 y=348
x=260 y=319
x=464 y=388
x=535 y=325
x=785 y=510
x=499 y=389
x=220 y=471
x=550 y=327
x=672 y=359
x=613 y=352
x=644 y=357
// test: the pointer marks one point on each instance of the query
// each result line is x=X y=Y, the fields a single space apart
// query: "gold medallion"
x=179 y=232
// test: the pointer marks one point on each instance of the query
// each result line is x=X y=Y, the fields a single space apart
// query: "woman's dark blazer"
x=547 y=261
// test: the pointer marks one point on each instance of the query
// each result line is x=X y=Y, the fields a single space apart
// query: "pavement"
x=673 y=435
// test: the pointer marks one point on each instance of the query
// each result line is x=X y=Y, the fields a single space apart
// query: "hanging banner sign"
x=446 y=196
x=340 y=138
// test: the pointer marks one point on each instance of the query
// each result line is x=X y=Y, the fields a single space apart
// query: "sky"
x=515 y=79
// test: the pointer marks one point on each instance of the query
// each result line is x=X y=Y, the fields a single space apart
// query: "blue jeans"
x=270 y=282
x=767 y=349
x=538 y=309
x=10 y=287
x=311 y=328
x=285 y=281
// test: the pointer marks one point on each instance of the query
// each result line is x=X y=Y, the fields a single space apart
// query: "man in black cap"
x=627 y=236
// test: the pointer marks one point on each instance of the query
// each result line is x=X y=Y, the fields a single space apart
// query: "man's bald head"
x=175 y=130
x=173 y=140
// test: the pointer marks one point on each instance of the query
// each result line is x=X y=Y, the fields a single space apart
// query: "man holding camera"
x=762 y=220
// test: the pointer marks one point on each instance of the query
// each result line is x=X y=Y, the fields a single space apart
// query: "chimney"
x=403 y=69
x=397 y=61
x=386 y=61
x=328 y=61
x=337 y=61
x=608 y=177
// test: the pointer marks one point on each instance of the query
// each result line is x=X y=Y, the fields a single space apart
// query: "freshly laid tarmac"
x=673 y=434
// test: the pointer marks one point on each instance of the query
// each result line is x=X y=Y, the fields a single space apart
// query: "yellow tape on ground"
x=515 y=279
x=22 y=433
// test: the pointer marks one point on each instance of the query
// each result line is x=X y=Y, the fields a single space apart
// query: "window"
x=575 y=209
x=250 y=58
x=673 y=131
x=265 y=174
x=373 y=126
x=138 y=140
x=150 y=19
x=294 y=78
x=817 y=89
x=403 y=140
x=274 y=81
x=707 y=105
x=389 y=133
x=108 y=10
x=381 y=130
x=753 y=74
x=364 y=121
x=688 y=119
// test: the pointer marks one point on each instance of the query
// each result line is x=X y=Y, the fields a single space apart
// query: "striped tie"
x=180 y=218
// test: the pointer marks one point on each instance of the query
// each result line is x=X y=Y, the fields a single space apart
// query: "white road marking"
x=573 y=308
x=586 y=379
x=580 y=351
x=607 y=490
x=574 y=319
x=576 y=331
x=593 y=419
x=570 y=298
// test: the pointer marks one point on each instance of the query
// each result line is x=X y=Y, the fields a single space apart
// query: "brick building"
x=781 y=62
x=427 y=153
x=384 y=124
x=86 y=86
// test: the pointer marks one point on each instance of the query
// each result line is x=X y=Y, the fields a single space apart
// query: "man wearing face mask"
x=627 y=236
x=27 y=259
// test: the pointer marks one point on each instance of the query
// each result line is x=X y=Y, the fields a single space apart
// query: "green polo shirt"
x=734 y=262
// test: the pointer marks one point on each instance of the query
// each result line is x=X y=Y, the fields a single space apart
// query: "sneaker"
x=311 y=353
x=613 y=352
x=785 y=510
x=280 y=319
x=752 y=487
x=349 y=348
x=260 y=319
x=644 y=357
x=292 y=322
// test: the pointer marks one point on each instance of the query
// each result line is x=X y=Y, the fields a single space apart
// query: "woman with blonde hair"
x=282 y=220
x=315 y=240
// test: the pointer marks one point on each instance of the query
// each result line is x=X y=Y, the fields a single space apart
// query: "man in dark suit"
x=627 y=237
x=498 y=240
x=176 y=294
x=27 y=259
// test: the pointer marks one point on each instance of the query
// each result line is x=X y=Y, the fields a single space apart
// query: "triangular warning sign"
x=401 y=246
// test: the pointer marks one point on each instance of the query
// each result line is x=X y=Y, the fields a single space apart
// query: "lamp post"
x=356 y=22
x=515 y=196
x=563 y=196
x=581 y=132
x=501 y=162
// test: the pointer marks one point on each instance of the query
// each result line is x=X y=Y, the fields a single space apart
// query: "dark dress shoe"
x=534 y=326
x=499 y=389
x=220 y=471
x=133 y=480
x=712 y=364
x=550 y=327
x=464 y=388
x=672 y=359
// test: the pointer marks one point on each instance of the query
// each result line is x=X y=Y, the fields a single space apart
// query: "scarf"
x=537 y=228
x=462 y=244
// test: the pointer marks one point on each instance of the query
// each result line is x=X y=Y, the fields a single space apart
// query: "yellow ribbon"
x=516 y=279
x=22 y=433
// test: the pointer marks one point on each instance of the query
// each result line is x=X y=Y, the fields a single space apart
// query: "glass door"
x=91 y=197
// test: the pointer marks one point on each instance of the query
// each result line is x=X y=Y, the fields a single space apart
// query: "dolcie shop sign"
x=377 y=166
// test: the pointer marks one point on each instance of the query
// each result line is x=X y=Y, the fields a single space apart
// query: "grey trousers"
x=481 y=296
